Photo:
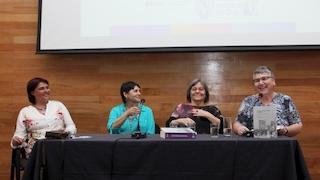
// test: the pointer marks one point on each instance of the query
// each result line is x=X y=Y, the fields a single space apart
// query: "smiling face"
x=198 y=93
x=264 y=83
x=134 y=95
x=42 y=92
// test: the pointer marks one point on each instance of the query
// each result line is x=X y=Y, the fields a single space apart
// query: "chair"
x=157 y=129
x=18 y=163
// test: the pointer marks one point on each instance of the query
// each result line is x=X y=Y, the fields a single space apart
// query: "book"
x=264 y=121
x=177 y=133
x=183 y=111
x=56 y=134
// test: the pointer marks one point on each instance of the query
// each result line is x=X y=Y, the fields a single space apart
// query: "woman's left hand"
x=200 y=112
x=283 y=131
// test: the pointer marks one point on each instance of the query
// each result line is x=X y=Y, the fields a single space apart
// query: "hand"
x=200 y=112
x=283 y=131
x=184 y=121
x=242 y=129
x=133 y=111
x=16 y=141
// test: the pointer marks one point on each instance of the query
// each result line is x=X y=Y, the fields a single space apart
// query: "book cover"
x=177 y=133
x=264 y=121
x=183 y=111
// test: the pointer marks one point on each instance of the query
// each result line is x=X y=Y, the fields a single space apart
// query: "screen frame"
x=166 y=49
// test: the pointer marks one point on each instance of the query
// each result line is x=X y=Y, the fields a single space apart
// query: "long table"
x=117 y=157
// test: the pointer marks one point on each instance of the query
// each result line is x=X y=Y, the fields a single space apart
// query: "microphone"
x=142 y=101
x=137 y=134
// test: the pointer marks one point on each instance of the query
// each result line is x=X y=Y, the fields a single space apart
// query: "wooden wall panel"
x=89 y=83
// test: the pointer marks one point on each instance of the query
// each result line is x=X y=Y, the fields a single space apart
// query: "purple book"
x=177 y=133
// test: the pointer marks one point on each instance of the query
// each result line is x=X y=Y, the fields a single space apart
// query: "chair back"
x=18 y=163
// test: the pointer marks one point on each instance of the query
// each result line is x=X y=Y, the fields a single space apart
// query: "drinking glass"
x=214 y=130
x=227 y=126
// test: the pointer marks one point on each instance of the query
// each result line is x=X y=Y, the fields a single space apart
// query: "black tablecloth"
x=119 y=157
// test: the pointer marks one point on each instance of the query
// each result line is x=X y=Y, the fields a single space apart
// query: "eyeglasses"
x=261 y=79
x=199 y=89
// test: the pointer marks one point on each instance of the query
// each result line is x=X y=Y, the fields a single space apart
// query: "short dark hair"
x=32 y=85
x=193 y=83
x=126 y=87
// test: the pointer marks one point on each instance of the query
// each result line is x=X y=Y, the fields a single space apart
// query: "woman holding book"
x=197 y=111
x=41 y=116
x=287 y=117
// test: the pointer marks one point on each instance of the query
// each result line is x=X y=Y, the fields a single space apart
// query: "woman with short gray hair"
x=287 y=117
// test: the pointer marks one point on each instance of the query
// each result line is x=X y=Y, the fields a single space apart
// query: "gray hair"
x=262 y=70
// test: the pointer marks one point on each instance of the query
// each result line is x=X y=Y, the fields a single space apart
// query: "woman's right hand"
x=133 y=111
x=184 y=121
x=16 y=141
x=239 y=128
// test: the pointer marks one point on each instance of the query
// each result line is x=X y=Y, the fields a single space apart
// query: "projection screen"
x=176 y=25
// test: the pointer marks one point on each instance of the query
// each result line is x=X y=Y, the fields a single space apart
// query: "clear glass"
x=214 y=130
x=273 y=129
x=227 y=126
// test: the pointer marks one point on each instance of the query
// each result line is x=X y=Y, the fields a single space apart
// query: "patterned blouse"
x=33 y=125
x=287 y=113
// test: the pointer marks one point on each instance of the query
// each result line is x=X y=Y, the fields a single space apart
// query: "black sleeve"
x=171 y=117
x=217 y=113
x=169 y=121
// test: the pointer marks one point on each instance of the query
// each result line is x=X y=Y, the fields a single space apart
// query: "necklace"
x=41 y=110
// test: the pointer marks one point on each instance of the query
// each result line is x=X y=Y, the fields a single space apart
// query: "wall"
x=88 y=84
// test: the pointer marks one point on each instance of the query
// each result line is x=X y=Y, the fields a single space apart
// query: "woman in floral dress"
x=41 y=116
